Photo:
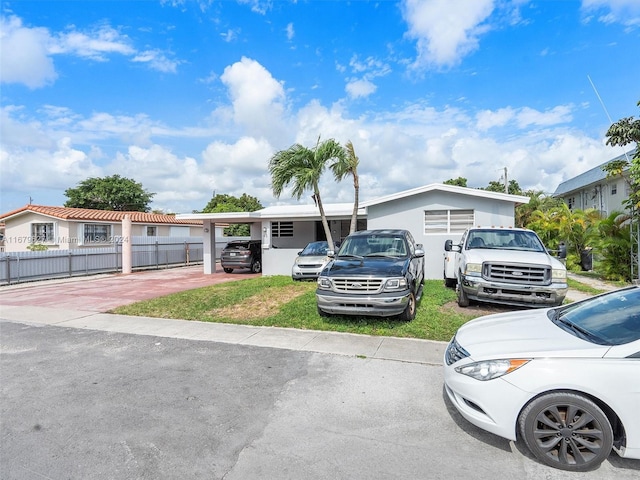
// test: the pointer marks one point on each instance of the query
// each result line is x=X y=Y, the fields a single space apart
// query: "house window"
x=282 y=229
x=614 y=189
x=152 y=231
x=571 y=202
x=97 y=233
x=447 y=221
x=42 y=233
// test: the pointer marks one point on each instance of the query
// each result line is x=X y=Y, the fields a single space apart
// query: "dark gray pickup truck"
x=375 y=273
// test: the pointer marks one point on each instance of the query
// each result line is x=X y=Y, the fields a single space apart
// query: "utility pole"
x=506 y=182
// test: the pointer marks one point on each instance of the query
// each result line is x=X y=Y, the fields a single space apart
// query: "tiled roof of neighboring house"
x=86 y=214
x=595 y=175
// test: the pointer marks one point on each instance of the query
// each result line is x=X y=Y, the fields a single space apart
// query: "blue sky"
x=194 y=97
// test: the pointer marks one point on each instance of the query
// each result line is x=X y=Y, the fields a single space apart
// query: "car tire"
x=228 y=270
x=256 y=267
x=409 y=312
x=567 y=431
x=450 y=282
x=322 y=313
x=463 y=298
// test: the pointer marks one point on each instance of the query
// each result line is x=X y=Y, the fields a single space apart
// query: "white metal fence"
x=147 y=253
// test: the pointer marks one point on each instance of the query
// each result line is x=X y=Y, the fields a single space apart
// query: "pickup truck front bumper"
x=483 y=290
x=387 y=304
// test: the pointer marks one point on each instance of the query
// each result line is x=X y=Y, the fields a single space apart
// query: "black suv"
x=242 y=254
x=375 y=273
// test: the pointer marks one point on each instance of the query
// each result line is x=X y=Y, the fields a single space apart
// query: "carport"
x=283 y=230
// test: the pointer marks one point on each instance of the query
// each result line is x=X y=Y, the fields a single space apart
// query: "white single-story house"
x=64 y=228
x=432 y=213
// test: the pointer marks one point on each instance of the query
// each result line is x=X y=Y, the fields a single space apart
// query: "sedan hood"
x=367 y=267
x=522 y=334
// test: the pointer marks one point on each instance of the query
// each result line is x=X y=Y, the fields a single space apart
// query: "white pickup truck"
x=504 y=265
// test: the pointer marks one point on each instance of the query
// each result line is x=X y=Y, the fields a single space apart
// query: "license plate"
x=232 y=254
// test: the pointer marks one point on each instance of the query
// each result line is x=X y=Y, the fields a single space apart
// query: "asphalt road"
x=87 y=404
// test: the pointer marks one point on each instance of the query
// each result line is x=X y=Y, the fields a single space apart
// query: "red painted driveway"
x=101 y=293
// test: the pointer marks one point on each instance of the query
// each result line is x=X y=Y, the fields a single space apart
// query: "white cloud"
x=523 y=118
x=95 y=44
x=290 y=31
x=25 y=58
x=445 y=30
x=27 y=52
x=258 y=100
x=406 y=148
x=626 y=12
x=360 y=88
x=157 y=61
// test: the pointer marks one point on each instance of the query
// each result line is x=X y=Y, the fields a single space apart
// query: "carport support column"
x=209 y=247
x=127 y=248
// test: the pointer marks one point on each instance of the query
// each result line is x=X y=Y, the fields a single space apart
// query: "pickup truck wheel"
x=228 y=270
x=409 y=312
x=463 y=299
x=450 y=282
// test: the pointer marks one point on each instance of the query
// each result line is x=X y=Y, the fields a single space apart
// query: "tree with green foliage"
x=459 y=182
x=222 y=203
x=114 y=193
x=614 y=247
x=622 y=133
x=302 y=168
x=538 y=200
x=348 y=165
x=494 y=186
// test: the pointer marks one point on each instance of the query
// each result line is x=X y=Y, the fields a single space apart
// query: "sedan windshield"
x=609 y=319
x=315 y=249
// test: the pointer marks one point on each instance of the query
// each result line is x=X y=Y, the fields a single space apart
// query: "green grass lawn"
x=279 y=301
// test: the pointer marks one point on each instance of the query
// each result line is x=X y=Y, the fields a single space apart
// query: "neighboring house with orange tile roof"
x=63 y=228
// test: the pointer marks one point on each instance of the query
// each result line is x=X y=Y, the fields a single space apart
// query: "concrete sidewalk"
x=386 y=348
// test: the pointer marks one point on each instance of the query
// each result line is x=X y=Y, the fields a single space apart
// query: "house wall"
x=69 y=235
x=278 y=255
x=408 y=213
x=606 y=196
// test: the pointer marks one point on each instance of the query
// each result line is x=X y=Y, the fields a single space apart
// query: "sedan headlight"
x=490 y=369
x=396 y=284
x=474 y=269
x=558 y=275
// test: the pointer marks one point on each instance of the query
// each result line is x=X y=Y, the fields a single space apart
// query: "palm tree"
x=302 y=168
x=348 y=165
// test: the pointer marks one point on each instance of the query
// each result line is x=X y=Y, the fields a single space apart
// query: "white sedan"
x=566 y=380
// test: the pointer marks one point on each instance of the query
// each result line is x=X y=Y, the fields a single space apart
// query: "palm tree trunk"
x=356 y=192
x=325 y=224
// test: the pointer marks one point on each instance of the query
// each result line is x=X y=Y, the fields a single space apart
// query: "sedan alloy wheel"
x=566 y=431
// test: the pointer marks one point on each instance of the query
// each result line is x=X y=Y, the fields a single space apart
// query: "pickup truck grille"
x=517 y=273
x=357 y=285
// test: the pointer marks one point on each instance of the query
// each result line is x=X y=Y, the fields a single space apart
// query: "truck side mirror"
x=331 y=253
x=447 y=245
